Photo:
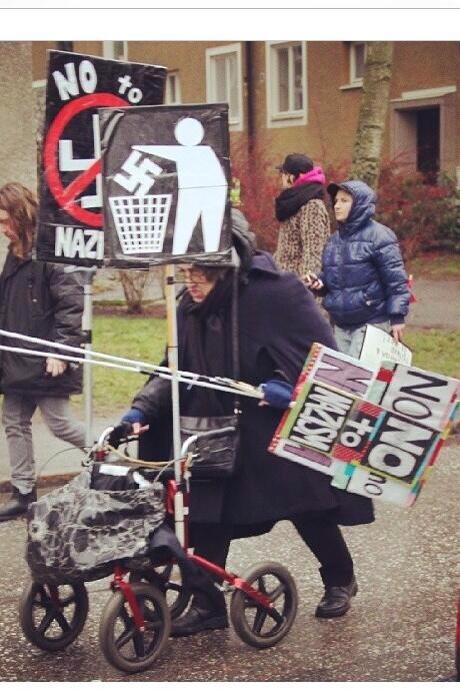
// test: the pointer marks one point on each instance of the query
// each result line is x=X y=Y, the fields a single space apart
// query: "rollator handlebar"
x=215 y=433
x=100 y=448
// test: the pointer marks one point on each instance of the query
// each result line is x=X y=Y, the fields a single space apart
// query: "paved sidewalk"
x=437 y=306
x=401 y=627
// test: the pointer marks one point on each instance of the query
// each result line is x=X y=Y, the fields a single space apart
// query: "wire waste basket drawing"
x=141 y=222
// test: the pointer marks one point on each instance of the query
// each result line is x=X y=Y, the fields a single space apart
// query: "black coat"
x=44 y=301
x=278 y=322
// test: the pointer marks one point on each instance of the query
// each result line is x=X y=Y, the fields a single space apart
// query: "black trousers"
x=319 y=532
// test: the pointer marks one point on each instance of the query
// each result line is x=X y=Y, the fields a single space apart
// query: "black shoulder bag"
x=216 y=456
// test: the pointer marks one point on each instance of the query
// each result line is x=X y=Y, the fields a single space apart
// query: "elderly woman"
x=278 y=321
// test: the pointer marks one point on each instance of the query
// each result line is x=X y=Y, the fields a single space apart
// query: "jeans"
x=17 y=421
x=349 y=341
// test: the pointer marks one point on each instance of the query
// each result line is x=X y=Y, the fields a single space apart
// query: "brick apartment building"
x=301 y=95
x=283 y=96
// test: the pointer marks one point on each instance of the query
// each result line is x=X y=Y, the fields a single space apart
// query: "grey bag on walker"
x=75 y=533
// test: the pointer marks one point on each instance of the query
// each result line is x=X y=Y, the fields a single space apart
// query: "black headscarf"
x=293 y=198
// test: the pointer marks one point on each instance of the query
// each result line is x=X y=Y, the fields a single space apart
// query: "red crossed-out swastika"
x=65 y=196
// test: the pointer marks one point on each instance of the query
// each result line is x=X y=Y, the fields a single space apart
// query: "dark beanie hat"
x=295 y=164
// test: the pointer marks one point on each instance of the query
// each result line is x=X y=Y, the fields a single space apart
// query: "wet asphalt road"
x=401 y=626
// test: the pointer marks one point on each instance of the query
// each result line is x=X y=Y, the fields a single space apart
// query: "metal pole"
x=173 y=363
x=87 y=322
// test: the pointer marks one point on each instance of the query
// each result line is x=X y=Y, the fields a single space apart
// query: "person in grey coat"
x=278 y=320
x=45 y=301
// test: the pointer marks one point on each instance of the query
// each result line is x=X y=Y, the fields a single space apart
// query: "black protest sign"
x=320 y=417
x=166 y=175
x=70 y=228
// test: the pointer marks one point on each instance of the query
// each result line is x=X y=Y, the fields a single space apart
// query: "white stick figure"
x=202 y=185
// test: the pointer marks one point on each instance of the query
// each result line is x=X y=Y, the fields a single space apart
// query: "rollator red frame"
x=175 y=488
x=136 y=621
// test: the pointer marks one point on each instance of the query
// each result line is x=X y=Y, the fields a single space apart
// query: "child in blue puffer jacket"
x=362 y=279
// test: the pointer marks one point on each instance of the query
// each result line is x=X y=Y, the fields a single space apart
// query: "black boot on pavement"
x=17 y=504
x=204 y=614
x=336 y=600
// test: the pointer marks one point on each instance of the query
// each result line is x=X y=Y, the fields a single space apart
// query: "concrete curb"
x=43 y=482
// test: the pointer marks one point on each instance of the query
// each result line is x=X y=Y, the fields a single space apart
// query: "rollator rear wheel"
x=256 y=625
x=168 y=579
x=52 y=616
x=123 y=645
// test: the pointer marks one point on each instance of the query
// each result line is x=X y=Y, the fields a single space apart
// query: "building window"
x=358 y=53
x=115 y=50
x=286 y=83
x=66 y=46
x=223 y=81
x=173 y=92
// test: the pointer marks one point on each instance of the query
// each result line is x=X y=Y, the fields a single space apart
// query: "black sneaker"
x=197 y=619
x=17 y=505
x=336 y=600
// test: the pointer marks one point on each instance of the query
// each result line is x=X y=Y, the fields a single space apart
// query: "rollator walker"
x=146 y=596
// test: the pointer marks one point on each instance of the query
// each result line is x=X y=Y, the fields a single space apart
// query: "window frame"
x=235 y=123
x=275 y=117
x=354 y=80
x=168 y=100
x=445 y=98
x=108 y=50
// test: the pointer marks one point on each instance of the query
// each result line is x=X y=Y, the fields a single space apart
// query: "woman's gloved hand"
x=131 y=423
x=118 y=433
x=277 y=393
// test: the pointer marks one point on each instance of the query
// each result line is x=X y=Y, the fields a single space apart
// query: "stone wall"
x=18 y=119
x=18 y=157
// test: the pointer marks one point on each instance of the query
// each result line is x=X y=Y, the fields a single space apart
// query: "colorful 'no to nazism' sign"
x=70 y=225
x=374 y=431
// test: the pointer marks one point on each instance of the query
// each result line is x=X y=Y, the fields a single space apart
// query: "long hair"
x=21 y=206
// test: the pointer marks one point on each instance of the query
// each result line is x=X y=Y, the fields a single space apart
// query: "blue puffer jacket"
x=362 y=269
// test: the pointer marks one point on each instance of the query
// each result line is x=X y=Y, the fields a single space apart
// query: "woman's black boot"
x=203 y=615
x=336 y=600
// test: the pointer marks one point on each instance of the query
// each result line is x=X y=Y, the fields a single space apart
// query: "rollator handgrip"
x=119 y=434
x=214 y=433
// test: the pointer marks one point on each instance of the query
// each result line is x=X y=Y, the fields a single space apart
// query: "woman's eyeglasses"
x=192 y=275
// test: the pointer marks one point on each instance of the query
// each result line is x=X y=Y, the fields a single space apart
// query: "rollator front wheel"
x=169 y=580
x=123 y=644
x=52 y=616
x=259 y=626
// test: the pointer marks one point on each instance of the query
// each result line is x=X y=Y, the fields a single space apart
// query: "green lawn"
x=139 y=338
x=144 y=338
x=435 y=349
x=435 y=265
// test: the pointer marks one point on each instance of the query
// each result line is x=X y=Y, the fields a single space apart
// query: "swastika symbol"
x=140 y=175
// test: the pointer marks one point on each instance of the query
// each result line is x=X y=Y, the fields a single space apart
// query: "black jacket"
x=44 y=301
x=278 y=322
